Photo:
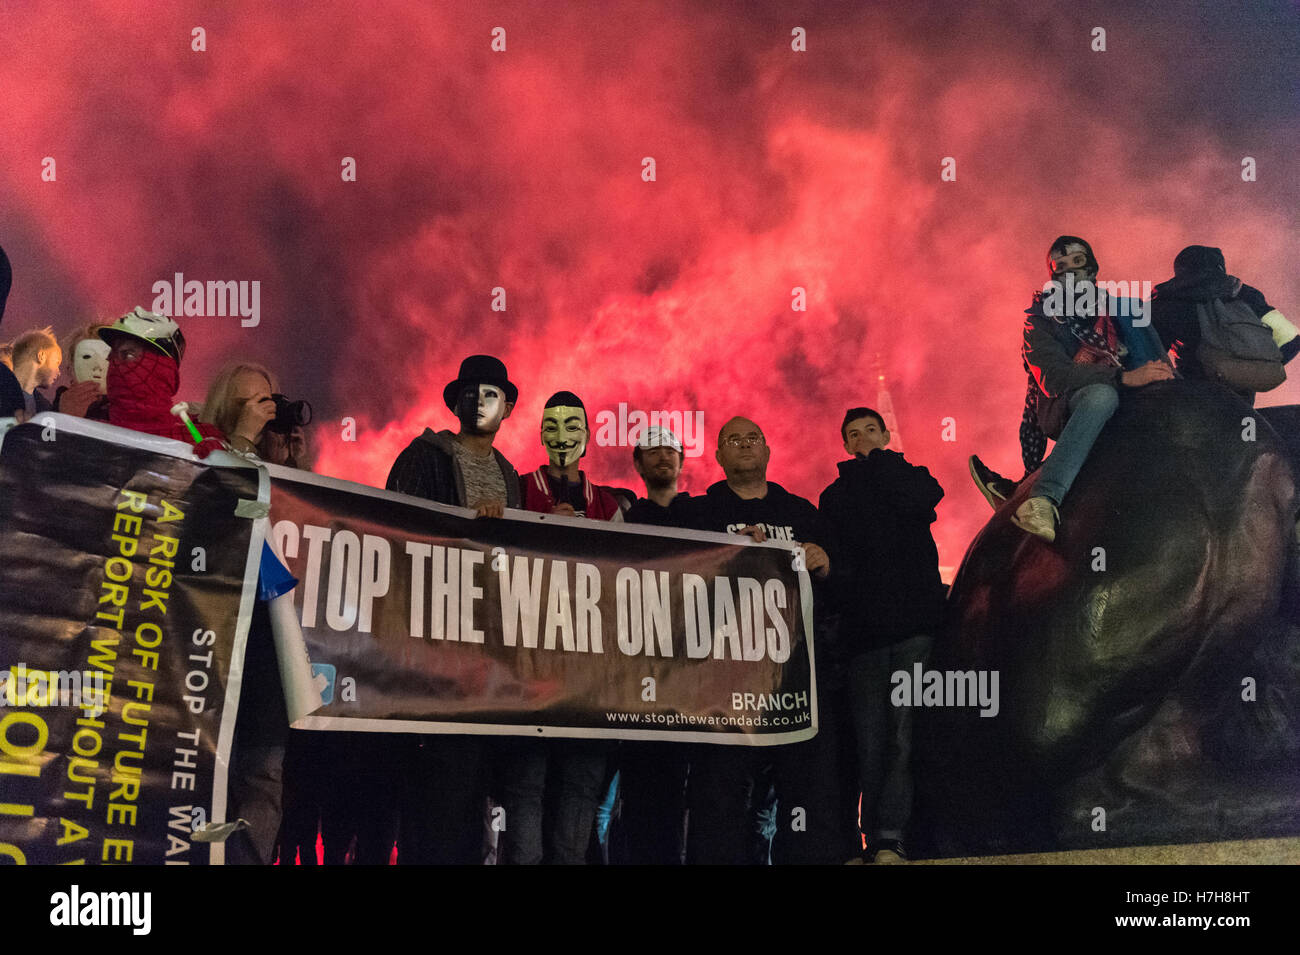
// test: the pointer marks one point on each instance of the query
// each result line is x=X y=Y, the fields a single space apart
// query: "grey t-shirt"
x=484 y=483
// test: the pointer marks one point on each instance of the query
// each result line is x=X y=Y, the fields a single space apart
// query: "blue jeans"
x=571 y=771
x=883 y=734
x=1090 y=408
x=605 y=811
x=731 y=818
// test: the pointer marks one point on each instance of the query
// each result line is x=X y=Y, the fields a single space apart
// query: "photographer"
x=239 y=403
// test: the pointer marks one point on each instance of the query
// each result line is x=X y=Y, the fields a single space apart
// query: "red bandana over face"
x=141 y=394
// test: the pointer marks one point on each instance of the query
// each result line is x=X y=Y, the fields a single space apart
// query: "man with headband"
x=442 y=785
x=540 y=829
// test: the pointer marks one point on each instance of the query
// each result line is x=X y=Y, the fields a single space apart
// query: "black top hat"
x=483 y=370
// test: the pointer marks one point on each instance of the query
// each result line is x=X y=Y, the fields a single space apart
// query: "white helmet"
x=157 y=330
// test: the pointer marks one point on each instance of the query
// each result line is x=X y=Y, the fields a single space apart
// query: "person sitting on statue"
x=1072 y=267
x=1078 y=354
x=1178 y=307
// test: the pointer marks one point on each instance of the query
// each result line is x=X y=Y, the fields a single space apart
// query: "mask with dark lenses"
x=289 y=415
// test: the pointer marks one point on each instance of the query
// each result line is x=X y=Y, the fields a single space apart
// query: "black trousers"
x=654 y=801
x=813 y=825
x=442 y=801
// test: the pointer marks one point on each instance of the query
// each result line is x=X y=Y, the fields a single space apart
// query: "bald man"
x=728 y=783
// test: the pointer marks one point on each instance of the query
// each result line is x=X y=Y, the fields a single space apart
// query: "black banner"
x=127 y=574
x=421 y=618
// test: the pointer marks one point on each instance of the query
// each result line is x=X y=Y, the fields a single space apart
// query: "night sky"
x=523 y=169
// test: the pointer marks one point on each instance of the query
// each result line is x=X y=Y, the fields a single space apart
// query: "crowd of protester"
x=843 y=796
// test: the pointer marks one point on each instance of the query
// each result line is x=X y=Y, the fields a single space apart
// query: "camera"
x=289 y=415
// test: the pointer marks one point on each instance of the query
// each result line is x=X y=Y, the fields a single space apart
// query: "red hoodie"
x=601 y=505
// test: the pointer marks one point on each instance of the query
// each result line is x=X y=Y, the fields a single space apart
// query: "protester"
x=6 y=281
x=1076 y=362
x=551 y=788
x=1109 y=329
x=653 y=774
x=12 y=400
x=659 y=459
x=143 y=377
x=887 y=589
x=564 y=488
x=89 y=355
x=806 y=775
x=1203 y=291
x=240 y=405
x=37 y=358
x=443 y=784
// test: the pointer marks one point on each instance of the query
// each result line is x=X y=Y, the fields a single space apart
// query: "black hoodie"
x=1200 y=275
x=884 y=563
x=784 y=516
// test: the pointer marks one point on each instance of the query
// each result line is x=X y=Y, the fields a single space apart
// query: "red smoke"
x=522 y=169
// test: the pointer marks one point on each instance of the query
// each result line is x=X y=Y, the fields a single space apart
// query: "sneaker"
x=995 y=488
x=1038 y=516
x=887 y=852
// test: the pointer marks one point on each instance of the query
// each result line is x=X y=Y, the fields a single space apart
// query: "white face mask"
x=491 y=408
x=481 y=409
x=90 y=361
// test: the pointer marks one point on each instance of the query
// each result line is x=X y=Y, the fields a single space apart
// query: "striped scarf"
x=1098 y=344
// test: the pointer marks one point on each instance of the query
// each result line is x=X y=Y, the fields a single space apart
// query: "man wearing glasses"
x=723 y=793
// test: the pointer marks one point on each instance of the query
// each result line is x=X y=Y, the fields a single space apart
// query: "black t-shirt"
x=646 y=511
x=784 y=516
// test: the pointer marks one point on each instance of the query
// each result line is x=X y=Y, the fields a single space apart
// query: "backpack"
x=1236 y=348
